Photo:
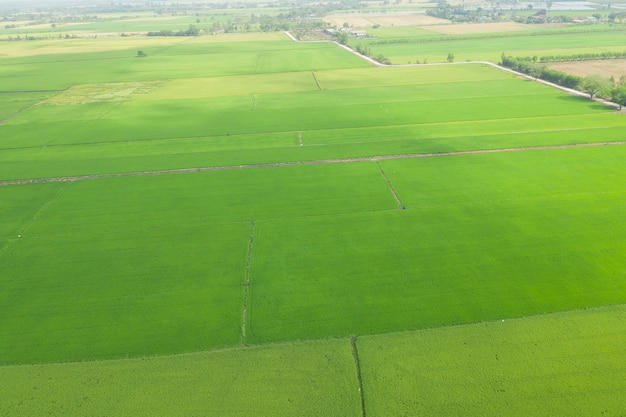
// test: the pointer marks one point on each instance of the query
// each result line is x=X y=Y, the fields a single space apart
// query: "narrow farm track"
x=299 y=163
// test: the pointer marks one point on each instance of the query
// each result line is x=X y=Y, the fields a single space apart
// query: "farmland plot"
x=247 y=200
x=481 y=236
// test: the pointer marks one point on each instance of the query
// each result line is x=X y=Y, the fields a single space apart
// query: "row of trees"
x=192 y=31
x=595 y=85
x=364 y=50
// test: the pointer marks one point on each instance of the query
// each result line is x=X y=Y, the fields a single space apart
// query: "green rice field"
x=272 y=228
x=570 y=363
x=402 y=46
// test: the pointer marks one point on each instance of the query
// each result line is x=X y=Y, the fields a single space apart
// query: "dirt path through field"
x=299 y=163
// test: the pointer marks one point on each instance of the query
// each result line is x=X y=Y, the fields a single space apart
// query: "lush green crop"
x=569 y=363
x=315 y=197
x=482 y=236
x=565 y=364
x=490 y=47
x=198 y=57
x=252 y=119
x=303 y=379
x=148 y=265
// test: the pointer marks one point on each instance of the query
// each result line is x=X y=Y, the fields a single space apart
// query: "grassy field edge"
x=577 y=356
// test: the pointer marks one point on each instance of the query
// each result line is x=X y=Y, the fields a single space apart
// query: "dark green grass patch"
x=482 y=237
x=19 y=206
x=127 y=204
x=305 y=379
x=153 y=265
x=561 y=364
x=124 y=293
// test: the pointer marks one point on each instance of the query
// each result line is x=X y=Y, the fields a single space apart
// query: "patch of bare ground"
x=471 y=28
x=364 y=20
x=608 y=68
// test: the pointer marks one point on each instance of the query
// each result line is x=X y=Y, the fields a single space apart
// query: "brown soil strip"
x=246 y=284
x=298 y=163
x=357 y=364
x=393 y=192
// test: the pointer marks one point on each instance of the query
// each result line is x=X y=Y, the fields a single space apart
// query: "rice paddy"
x=272 y=227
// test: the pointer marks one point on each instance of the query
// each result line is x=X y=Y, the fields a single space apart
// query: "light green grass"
x=13 y=103
x=569 y=364
x=197 y=57
x=250 y=108
x=304 y=379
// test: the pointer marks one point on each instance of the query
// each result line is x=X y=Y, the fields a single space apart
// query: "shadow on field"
x=579 y=99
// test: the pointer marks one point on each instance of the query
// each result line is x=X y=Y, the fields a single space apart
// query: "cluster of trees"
x=599 y=86
x=364 y=50
x=37 y=38
x=192 y=31
x=460 y=14
x=528 y=65
x=595 y=85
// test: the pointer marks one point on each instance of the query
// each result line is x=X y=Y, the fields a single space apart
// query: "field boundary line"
x=301 y=163
x=30 y=106
x=317 y=83
x=114 y=142
x=42 y=209
x=357 y=364
x=14 y=115
x=253 y=103
x=393 y=191
x=246 y=284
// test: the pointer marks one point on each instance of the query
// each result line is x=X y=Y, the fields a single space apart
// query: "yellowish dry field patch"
x=115 y=43
x=612 y=67
x=385 y=20
x=82 y=45
x=470 y=28
x=242 y=37
x=103 y=92
x=229 y=86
